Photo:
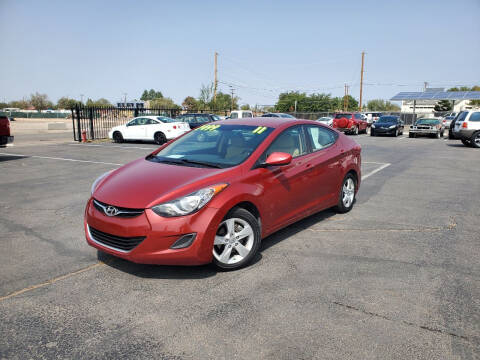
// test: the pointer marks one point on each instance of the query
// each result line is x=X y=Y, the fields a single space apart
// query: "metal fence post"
x=73 y=124
x=79 y=128
x=135 y=112
x=90 y=115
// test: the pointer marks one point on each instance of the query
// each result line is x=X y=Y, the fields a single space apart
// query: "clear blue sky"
x=107 y=48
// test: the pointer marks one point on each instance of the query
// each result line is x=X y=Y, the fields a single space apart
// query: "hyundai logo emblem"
x=111 y=211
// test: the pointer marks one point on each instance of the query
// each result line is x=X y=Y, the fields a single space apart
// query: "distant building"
x=427 y=106
x=134 y=104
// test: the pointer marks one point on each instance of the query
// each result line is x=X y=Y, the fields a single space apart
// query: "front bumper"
x=386 y=131
x=424 y=131
x=4 y=140
x=160 y=234
x=345 y=130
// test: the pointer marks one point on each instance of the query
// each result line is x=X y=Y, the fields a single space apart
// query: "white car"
x=327 y=120
x=159 y=129
x=240 y=114
x=467 y=128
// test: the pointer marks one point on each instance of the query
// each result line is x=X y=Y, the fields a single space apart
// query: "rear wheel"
x=237 y=240
x=117 y=137
x=372 y=133
x=475 y=140
x=347 y=194
x=159 y=138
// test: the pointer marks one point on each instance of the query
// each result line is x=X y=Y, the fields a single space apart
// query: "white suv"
x=467 y=128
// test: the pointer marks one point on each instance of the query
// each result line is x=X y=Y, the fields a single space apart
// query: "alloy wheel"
x=234 y=241
x=476 y=140
x=348 y=192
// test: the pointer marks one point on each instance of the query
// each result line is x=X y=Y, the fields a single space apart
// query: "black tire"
x=396 y=133
x=253 y=222
x=410 y=135
x=117 y=137
x=159 y=138
x=340 y=207
x=372 y=133
x=437 y=135
x=465 y=142
x=475 y=140
x=441 y=134
x=355 y=131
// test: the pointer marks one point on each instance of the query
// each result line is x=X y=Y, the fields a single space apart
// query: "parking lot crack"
x=408 y=323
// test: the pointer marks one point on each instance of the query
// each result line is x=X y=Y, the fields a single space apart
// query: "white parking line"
x=115 y=146
x=61 y=159
x=364 y=177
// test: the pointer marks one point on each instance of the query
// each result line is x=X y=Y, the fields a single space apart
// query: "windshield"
x=216 y=117
x=386 y=119
x=428 y=122
x=339 y=116
x=166 y=119
x=212 y=145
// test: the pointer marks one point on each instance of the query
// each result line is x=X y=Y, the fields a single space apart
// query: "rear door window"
x=475 y=117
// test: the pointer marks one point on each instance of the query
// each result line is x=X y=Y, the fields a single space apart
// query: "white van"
x=240 y=114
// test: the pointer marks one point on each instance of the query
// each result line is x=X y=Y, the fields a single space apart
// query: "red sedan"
x=351 y=123
x=214 y=193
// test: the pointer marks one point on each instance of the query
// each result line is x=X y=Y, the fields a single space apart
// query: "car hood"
x=384 y=124
x=142 y=183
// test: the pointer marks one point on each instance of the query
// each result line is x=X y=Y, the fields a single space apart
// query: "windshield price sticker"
x=259 y=130
x=208 y=127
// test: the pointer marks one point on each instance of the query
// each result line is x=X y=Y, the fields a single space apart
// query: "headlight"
x=392 y=127
x=100 y=178
x=373 y=126
x=189 y=203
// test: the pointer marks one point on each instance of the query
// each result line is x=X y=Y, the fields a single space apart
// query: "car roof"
x=266 y=121
x=196 y=114
x=154 y=117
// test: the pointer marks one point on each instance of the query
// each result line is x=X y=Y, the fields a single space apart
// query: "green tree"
x=190 y=103
x=21 y=104
x=40 y=101
x=245 y=107
x=163 y=103
x=223 y=102
x=102 y=102
x=151 y=95
x=381 y=105
x=66 y=103
x=206 y=95
x=443 y=105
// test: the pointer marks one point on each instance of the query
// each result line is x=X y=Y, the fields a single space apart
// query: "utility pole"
x=215 y=81
x=81 y=98
x=345 y=99
x=232 y=92
x=124 y=100
x=361 y=81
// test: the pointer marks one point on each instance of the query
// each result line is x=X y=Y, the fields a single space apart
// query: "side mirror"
x=278 y=159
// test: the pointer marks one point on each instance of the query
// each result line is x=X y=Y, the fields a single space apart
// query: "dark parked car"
x=196 y=120
x=387 y=125
x=279 y=115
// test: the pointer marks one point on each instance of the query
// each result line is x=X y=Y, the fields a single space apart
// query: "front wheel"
x=396 y=133
x=465 y=142
x=347 y=194
x=355 y=131
x=237 y=240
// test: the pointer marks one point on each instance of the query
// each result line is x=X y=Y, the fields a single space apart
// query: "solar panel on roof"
x=440 y=95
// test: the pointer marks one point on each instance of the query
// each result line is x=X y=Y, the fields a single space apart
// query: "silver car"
x=327 y=120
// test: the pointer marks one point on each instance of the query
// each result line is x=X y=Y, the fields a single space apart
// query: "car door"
x=151 y=127
x=130 y=129
x=137 y=131
x=286 y=187
x=324 y=163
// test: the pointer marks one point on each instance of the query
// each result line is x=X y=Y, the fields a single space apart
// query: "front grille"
x=424 y=127
x=114 y=241
x=122 y=212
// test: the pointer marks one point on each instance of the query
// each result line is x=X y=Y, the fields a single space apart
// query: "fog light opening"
x=184 y=241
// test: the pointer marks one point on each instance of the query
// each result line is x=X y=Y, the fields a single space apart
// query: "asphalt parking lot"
x=396 y=278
